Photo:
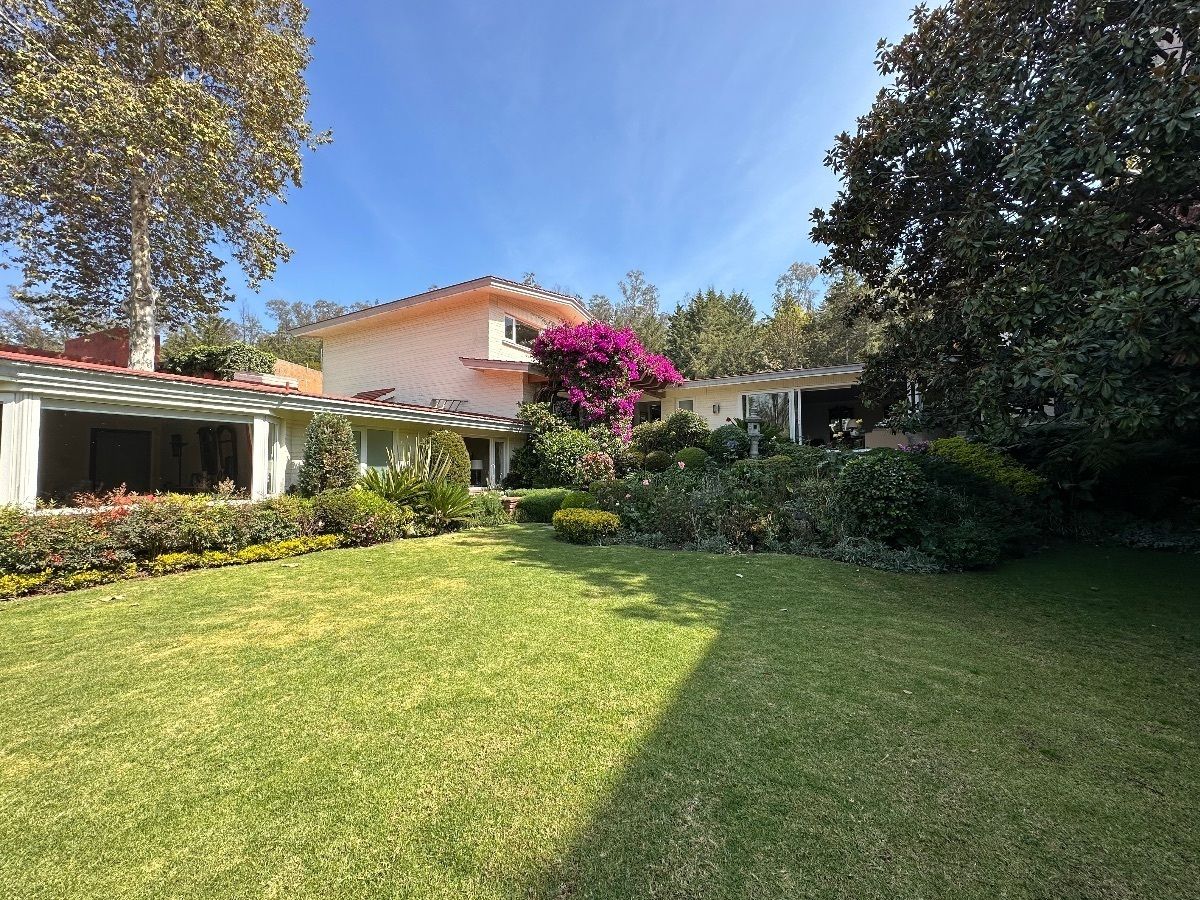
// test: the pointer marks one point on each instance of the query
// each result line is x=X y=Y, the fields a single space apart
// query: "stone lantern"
x=754 y=429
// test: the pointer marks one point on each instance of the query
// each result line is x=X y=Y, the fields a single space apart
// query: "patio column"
x=260 y=456
x=20 y=438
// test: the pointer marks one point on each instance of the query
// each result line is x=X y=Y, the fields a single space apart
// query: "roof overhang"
x=62 y=387
x=487 y=284
x=851 y=370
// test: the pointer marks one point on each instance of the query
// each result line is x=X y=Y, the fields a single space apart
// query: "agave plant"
x=446 y=504
x=397 y=482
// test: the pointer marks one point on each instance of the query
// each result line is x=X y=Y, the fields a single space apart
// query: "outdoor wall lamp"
x=716 y=408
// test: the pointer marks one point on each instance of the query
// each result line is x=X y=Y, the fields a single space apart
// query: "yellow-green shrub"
x=585 y=526
x=988 y=463
x=17 y=585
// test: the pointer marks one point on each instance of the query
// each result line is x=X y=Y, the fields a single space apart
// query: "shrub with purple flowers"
x=599 y=368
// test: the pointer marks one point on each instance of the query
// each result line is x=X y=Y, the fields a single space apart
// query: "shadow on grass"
x=850 y=733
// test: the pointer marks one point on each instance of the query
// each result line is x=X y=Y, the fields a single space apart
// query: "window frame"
x=516 y=322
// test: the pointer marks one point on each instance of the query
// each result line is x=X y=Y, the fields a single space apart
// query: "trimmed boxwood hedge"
x=585 y=526
x=539 y=504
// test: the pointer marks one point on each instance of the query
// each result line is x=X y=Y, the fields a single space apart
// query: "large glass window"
x=519 y=332
x=774 y=408
x=379 y=448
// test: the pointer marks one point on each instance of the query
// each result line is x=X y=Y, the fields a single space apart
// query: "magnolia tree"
x=601 y=371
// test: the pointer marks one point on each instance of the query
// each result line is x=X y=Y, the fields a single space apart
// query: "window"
x=647 y=411
x=518 y=332
x=774 y=408
x=379 y=448
x=684 y=404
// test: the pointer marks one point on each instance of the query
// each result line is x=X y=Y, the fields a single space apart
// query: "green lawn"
x=496 y=714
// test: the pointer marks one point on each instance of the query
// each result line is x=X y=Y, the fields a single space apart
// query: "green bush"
x=560 y=455
x=881 y=492
x=363 y=517
x=729 y=442
x=450 y=447
x=487 y=510
x=221 y=360
x=693 y=457
x=658 y=461
x=988 y=463
x=447 y=504
x=650 y=436
x=539 y=505
x=585 y=526
x=330 y=456
x=578 y=500
x=686 y=429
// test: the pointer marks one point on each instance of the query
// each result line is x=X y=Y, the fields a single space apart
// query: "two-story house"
x=454 y=358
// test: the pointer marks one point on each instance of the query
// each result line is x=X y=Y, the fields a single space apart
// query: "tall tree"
x=637 y=309
x=1023 y=205
x=838 y=332
x=137 y=137
x=784 y=332
x=24 y=326
x=713 y=333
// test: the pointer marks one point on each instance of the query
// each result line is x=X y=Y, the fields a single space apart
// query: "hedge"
x=539 y=504
x=585 y=526
x=15 y=585
x=330 y=457
x=221 y=360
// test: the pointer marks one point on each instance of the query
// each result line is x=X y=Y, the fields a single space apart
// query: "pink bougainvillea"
x=602 y=371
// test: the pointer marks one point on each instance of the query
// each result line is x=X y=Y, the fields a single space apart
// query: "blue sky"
x=574 y=140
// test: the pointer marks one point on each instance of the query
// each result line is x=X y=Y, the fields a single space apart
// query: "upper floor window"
x=519 y=332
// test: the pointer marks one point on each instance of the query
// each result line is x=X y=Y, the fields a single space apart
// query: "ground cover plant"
x=498 y=714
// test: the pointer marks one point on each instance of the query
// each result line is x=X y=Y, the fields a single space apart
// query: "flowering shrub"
x=598 y=367
x=592 y=466
x=363 y=517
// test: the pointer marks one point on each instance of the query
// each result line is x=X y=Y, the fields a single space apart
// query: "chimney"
x=109 y=347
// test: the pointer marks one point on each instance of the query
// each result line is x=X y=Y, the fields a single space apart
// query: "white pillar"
x=20 y=438
x=260 y=456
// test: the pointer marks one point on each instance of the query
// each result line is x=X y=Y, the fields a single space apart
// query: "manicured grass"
x=496 y=714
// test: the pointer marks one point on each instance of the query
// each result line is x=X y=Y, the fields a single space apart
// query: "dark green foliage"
x=685 y=429
x=487 y=510
x=552 y=452
x=924 y=511
x=693 y=457
x=450 y=447
x=330 y=457
x=362 y=516
x=658 y=461
x=1020 y=202
x=539 y=505
x=578 y=500
x=221 y=361
x=713 y=333
x=586 y=526
x=729 y=442
x=882 y=494
x=650 y=436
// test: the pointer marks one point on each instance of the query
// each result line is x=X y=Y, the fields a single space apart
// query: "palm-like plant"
x=397 y=482
x=447 y=504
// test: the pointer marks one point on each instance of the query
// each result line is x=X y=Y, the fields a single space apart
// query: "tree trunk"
x=143 y=296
